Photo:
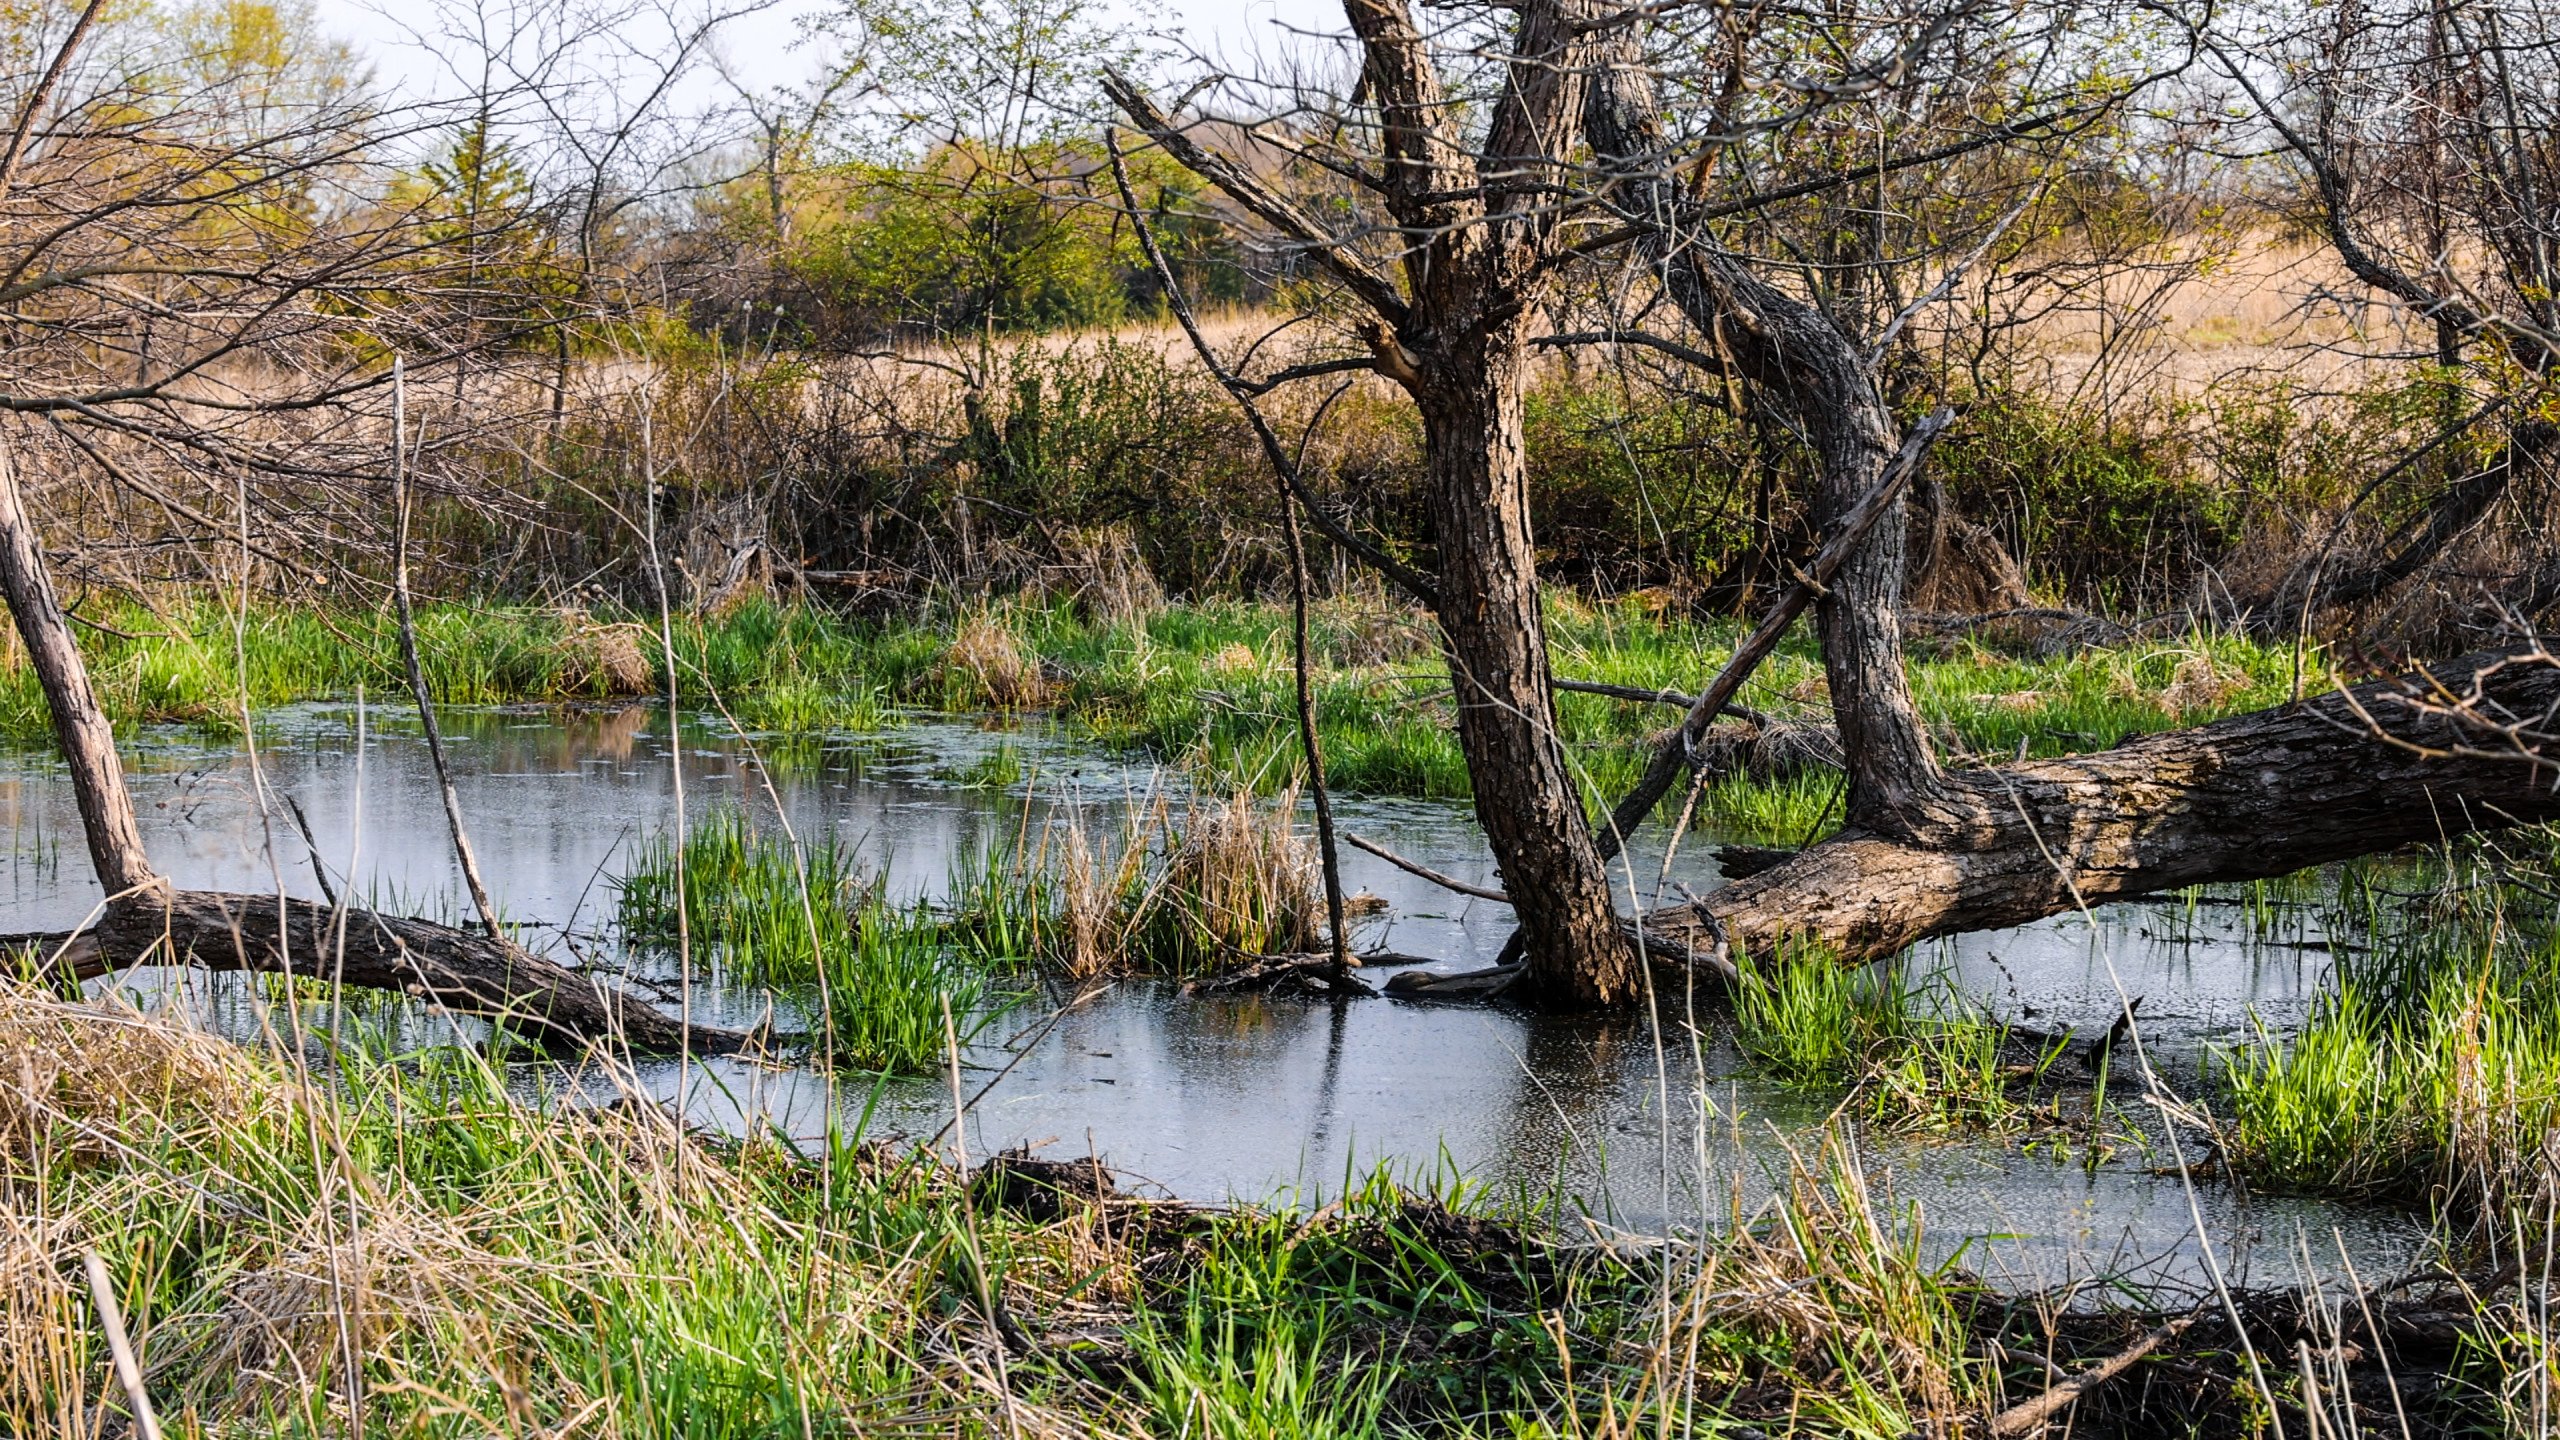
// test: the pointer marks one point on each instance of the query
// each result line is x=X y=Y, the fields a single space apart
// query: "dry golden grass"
x=985 y=665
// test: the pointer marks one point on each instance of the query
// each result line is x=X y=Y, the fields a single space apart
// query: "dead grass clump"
x=1091 y=922
x=985 y=666
x=598 y=658
x=1775 y=751
x=1360 y=629
x=1237 y=879
x=290 y=1321
x=2197 y=686
x=76 y=1075
x=1232 y=879
x=1840 y=1283
x=1104 y=572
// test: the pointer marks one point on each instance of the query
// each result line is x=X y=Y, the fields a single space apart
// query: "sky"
x=766 y=48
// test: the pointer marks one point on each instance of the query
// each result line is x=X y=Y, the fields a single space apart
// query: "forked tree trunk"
x=1495 y=638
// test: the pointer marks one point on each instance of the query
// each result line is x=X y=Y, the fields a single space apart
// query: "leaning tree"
x=1478 y=156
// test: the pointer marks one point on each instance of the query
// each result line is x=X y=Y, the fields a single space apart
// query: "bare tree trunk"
x=1495 y=639
x=79 y=724
x=216 y=930
x=1796 y=353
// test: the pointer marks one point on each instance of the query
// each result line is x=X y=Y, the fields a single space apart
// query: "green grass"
x=1208 y=685
x=779 y=668
x=2430 y=1073
x=1912 y=1059
x=1203 y=685
x=494 y=1269
x=876 y=974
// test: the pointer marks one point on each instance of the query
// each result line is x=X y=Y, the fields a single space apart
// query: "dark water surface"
x=1216 y=1099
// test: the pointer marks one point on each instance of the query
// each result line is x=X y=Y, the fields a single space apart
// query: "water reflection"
x=1217 y=1098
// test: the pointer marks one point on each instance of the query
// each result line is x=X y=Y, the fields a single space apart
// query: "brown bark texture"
x=1495 y=637
x=219 y=931
x=1794 y=352
x=1479 y=229
x=80 y=727
x=2254 y=796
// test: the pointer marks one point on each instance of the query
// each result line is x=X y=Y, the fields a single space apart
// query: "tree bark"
x=220 y=931
x=1495 y=641
x=80 y=726
x=1804 y=362
x=2246 y=798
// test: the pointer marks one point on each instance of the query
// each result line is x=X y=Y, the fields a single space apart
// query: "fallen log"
x=2438 y=752
x=220 y=931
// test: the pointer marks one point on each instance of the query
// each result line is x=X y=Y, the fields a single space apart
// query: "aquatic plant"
x=998 y=769
x=1231 y=878
x=876 y=974
x=1916 y=1058
x=2431 y=1072
x=801 y=706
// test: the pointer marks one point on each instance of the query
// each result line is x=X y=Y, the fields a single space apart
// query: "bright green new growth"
x=496 y=1269
x=874 y=973
x=1925 y=1059
x=1205 y=685
x=2431 y=1074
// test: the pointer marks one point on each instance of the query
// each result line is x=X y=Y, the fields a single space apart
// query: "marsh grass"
x=1203 y=685
x=1178 y=891
x=2430 y=1072
x=1913 y=1059
x=784 y=668
x=493 y=1269
x=875 y=973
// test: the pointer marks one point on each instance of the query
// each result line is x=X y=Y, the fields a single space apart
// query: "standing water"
x=1622 y=1123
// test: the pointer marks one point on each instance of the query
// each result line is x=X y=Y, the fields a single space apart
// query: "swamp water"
x=1213 y=1099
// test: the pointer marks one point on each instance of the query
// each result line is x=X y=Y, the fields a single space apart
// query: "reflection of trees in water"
x=1584 y=1098
x=553 y=739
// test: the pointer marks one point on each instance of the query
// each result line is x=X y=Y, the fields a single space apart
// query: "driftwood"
x=215 y=930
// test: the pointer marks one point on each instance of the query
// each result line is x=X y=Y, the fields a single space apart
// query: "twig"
x=2025 y=1418
x=1405 y=576
x=102 y=1290
x=319 y=867
x=409 y=653
x=1283 y=477
x=1416 y=867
